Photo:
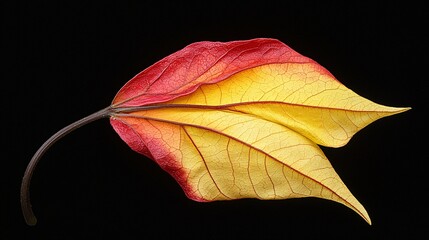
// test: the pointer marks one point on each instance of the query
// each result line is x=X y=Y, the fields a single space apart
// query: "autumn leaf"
x=234 y=120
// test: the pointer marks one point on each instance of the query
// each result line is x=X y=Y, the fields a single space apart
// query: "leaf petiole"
x=29 y=216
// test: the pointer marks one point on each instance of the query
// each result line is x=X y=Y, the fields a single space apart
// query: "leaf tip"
x=367 y=219
x=359 y=209
x=402 y=109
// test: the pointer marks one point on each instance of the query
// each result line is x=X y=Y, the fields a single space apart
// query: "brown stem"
x=30 y=219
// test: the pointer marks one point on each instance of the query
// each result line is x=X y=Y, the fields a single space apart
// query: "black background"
x=65 y=60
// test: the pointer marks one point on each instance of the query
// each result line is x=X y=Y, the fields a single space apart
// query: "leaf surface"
x=243 y=119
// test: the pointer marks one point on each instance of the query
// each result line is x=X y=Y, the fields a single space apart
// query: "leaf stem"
x=29 y=216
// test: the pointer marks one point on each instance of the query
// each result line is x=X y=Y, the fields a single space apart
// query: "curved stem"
x=30 y=219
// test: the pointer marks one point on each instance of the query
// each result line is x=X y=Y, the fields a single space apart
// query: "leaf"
x=240 y=119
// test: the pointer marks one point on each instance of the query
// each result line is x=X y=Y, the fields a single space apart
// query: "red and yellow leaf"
x=242 y=120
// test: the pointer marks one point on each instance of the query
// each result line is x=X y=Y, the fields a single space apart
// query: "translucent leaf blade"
x=243 y=119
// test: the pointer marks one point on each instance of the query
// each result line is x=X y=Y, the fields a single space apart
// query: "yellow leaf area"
x=255 y=134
